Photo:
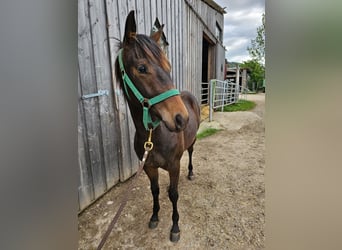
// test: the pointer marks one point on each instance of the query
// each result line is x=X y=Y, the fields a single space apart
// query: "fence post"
x=223 y=96
x=236 y=97
x=211 y=94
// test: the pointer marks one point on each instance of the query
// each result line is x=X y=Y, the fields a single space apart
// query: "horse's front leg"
x=152 y=174
x=190 y=173
x=173 y=195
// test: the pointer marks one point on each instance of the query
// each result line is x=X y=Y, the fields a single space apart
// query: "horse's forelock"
x=149 y=49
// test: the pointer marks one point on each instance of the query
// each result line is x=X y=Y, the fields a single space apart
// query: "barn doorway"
x=208 y=66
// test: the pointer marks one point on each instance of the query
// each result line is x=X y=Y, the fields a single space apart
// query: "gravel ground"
x=222 y=208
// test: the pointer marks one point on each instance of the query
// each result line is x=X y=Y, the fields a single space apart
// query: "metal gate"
x=223 y=93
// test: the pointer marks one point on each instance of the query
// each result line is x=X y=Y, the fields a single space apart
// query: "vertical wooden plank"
x=202 y=10
x=200 y=29
x=193 y=49
x=219 y=62
x=129 y=140
x=194 y=52
x=197 y=53
x=190 y=59
x=189 y=52
x=116 y=16
x=188 y=72
x=122 y=14
x=176 y=34
x=131 y=5
x=198 y=66
x=159 y=12
x=126 y=167
x=147 y=18
x=173 y=40
x=180 y=27
x=85 y=188
x=164 y=19
x=168 y=29
x=134 y=162
x=184 y=28
x=140 y=16
x=104 y=82
x=91 y=111
x=115 y=38
x=154 y=14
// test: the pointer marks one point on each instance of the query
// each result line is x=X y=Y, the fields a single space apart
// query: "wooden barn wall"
x=105 y=128
x=200 y=18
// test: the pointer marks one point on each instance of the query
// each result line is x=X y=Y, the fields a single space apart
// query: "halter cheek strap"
x=146 y=103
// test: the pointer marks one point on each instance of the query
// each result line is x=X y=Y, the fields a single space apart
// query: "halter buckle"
x=148 y=146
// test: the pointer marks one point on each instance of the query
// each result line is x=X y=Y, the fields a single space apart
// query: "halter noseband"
x=146 y=103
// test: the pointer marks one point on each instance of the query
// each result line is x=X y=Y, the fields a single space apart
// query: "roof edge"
x=215 y=6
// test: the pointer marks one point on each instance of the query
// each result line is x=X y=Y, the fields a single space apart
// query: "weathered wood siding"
x=105 y=127
x=200 y=18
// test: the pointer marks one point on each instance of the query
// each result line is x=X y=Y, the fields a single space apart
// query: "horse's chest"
x=156 y=159
x=165 y=151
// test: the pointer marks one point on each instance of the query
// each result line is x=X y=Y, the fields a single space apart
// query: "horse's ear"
x=130 y=28
x=157 y=35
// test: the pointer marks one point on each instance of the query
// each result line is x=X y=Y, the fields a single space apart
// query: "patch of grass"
x=241 y=105
x=207 y=132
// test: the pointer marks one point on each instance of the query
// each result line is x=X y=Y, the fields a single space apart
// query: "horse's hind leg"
x=190 y=150
x=152 y=174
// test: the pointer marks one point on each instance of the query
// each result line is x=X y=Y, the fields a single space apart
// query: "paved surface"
x=237 y=120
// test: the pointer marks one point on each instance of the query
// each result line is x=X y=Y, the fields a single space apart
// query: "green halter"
x=146 y=103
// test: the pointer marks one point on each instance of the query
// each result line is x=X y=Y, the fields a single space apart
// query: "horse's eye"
x=142 y=69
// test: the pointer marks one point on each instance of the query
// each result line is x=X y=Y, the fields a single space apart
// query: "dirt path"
x=223 y=208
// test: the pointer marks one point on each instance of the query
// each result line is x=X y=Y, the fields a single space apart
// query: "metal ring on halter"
x=145 y=103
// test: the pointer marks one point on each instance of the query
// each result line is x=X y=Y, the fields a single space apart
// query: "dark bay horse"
x=155 y=104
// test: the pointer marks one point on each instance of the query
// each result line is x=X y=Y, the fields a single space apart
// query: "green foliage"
x=257 y=73
x=257 y=53
x=257 y=49
x=207 y=132
x=241 y=105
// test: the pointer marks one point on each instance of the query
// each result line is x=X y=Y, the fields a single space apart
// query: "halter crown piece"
x=146 y=103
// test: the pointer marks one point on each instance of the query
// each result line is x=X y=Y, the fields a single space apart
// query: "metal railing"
x=223 y=93
x=204 y=93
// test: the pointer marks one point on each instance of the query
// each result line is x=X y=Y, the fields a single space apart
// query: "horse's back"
x=194 y=111
x=192 y=105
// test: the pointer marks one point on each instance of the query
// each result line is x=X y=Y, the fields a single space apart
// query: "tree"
x=257 y=74
x=257 y=49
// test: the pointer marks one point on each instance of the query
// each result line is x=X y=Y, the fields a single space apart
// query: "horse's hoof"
x=191 y=177
x=153 y=224
x=174 y=237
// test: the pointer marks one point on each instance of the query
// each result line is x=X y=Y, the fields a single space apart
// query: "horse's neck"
x=137 y=117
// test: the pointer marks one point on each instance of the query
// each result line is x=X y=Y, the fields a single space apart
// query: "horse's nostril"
x=180 y=122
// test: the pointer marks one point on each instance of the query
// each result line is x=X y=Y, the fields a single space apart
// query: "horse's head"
x=149 y=70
